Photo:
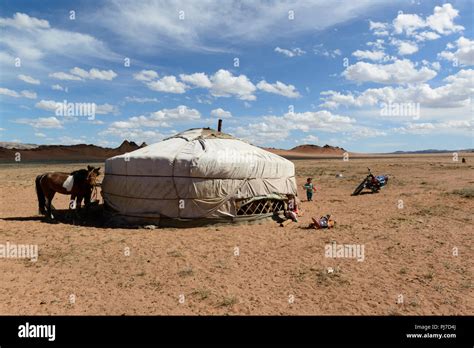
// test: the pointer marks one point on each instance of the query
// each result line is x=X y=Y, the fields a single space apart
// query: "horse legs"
x=49 y=198
x=78 y=203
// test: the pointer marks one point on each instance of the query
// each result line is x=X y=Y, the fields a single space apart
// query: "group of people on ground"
x=292 y=212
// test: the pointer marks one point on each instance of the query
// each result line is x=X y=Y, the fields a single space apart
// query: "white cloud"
x=32 y=39
x=408 y=23
x=280 y=88
x=181 y=113
x=455 y=93
x=9 y=92
x=167 y=84
x=426 y=35
x=265 y=132
x=104 y=109
x=379 y=28
x=440 y=22
x=94 y=74
x=23 y=21
x=400 y=71
x=145 y=75
x=294 y=52
x=29 y=79
x=40 y=135
x=133 y=134
x=64 y=76
x=405 y=47
x=134 y=128
x=48 y=105
x=59 y=88
x=449 y=126
x=197 y=79
x=78 y=74
x=51 y=105
x=435 y=65
x=464 y=55
x=221 y=84
x=224 y=84
x=310 y=139
x=376 y=56
x=152 y=24
x=29 y=94
x=319 y=50
x=261 y=133
x=41 y=122
x=221 y=113
x=377 y=44
x=141 y=100
x=15 y=94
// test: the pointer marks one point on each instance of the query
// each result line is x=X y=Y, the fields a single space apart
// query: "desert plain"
x=417 y=235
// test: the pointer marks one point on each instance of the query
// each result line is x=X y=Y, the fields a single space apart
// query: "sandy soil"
x=279 y=270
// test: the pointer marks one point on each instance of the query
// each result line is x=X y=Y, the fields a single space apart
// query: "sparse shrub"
x=466 y=192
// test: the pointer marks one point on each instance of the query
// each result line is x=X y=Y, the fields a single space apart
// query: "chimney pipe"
x=219 y=125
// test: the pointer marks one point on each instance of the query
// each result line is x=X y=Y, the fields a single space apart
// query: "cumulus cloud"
x=57 y=87
x=265 y=131
x=455 y=93
x=78 y=74
x=94 y=74
x=167 y=84
x=405 y=47
x=221 y=113
x=23 y=21
x=197 y=79
x=293 y=52
x=15 y=94
x=464 y=55
x=398 y=72
x=64 y=76
x=438 y=127
x=135 y=128
x=376 y=56
x=441 y=22
x=41 y=122
x=141 y=100
x=225 y=84
x=51 y=105
x=280 y=88
x=379 y=28
x=145 y=75
x=319 y=50
x=29 y=79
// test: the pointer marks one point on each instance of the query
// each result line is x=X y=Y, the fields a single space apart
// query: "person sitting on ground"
x=292 y=212
x=323 y=222
x=309 y=187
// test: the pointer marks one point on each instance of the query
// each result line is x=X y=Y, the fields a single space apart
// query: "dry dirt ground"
x=417 y=259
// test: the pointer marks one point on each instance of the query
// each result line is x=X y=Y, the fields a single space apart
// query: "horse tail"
x=40 y=194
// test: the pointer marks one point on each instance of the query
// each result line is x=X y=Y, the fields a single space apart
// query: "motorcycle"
x=371 y=182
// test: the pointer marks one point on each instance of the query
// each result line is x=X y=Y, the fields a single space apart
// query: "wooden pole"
x=219 y=125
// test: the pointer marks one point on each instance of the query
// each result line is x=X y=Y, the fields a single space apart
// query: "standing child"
x=309 y=187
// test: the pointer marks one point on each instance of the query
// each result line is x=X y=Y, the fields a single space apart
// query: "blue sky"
x=370 y=76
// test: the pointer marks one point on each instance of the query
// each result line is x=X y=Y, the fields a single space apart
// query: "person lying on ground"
x=322 y=222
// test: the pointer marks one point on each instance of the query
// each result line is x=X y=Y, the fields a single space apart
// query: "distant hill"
x=326 y=149
x=431 y=151
x=80 y=152
x=14 y=145
x=308 y=150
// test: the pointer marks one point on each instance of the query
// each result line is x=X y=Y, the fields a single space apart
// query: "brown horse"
x=79 y=184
